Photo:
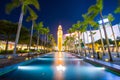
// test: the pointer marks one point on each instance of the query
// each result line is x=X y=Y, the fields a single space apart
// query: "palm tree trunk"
x=88 y=42
x=21 y=46
x=31 y=35
x=92 y=43
x=103 y=49
x=37 y=40
x=114 y=39
x=110 y=56
x=79 y=43
x=6 y=48
x=45 y=43
x=18 y=32
x=84 y=43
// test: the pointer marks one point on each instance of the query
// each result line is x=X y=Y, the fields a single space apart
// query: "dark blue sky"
x=64 y=12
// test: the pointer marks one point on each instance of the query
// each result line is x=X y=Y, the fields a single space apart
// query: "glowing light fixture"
x=106 y=59
x=91 y=56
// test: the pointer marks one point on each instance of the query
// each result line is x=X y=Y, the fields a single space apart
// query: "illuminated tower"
x=59 y=38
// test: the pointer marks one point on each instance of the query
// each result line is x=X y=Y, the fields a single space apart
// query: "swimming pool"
x=59 y=66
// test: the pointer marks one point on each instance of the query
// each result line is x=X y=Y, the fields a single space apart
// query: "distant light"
x=105 y=21
x=61 y=68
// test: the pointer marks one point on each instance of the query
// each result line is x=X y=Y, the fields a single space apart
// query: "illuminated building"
x=59 y=38
x=87 y=38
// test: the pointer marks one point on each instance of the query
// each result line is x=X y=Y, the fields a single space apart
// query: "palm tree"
x=82 y=30
x=25 y=5
x=77 y=28
x=88 y=20
x=94 y=10
x=70 y=31
x=88 y=41
x=111 y=18
x=33 y=16
x=45 y=32
x=39 y=29
x=103 y=49
x=46 y=35
x=92 y=40
x=52 y=41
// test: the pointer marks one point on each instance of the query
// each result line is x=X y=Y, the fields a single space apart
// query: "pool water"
x=59 y=66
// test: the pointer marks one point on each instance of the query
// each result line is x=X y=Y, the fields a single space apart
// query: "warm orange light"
x=59 y=66
x=60 y=35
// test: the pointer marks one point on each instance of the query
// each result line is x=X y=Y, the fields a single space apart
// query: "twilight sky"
x=64 y=12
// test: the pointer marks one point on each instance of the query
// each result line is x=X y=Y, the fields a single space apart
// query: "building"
x=59 y=38
x=96 y=35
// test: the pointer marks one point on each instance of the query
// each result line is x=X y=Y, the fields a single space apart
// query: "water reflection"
x=59 y=66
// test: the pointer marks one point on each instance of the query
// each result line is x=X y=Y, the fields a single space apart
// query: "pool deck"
x=107 y=65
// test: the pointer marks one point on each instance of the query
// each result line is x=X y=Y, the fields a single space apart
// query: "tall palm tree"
x=77 y=28
x=45 y=32
x=39 y=29
x=94 y=10
x=82 y=30
x=88 y=21
x=70 y=31
x=111 y=18
x=101 y=38
x=33 y=16
x=25 y=5
x=46 y=35
x=88 y=41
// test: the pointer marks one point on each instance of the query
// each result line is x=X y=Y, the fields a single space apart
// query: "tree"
x=94 y=10
x=51 y=42
x=46 y=32
x=76 y=27
x=9 y=29
x=25 y=5
x=70 y=31
x=33 y=16
x=39 y=29
x=103 y=49
x=88 y=21
x=111 y=18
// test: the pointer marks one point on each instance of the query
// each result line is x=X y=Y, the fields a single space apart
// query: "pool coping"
x=14 y=66
x=107 y=65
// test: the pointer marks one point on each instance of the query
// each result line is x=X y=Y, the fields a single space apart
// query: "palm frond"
x=35 y=3
x=110 y=17
x=117 y=10
x=32 y=14
x=12 y=5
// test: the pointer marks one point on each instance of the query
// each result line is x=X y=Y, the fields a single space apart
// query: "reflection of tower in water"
x=59 y=38
x=59 y=66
